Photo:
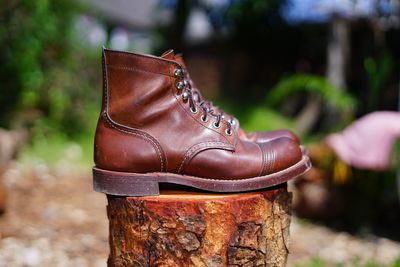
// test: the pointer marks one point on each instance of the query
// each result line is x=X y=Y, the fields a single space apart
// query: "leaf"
x=306 y=83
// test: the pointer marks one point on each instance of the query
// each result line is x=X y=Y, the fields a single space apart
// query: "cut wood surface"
x=200 y=229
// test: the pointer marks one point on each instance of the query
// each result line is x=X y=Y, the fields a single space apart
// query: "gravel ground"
x=314 y=241
x=54 y=219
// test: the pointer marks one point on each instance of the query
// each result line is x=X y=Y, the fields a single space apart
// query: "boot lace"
x=209 y=105
x=189 y=94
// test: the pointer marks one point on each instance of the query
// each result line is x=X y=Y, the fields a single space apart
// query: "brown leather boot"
x=151 y=131
x=259 y=136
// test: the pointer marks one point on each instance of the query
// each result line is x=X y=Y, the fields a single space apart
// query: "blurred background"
x=313 y=66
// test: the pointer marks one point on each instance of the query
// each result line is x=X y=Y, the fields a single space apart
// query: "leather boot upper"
x=149 y=123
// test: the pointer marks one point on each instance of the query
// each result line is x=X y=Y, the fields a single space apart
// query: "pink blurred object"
x=367 y=143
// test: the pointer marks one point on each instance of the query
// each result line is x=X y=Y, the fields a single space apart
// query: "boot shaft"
x=137 y=88
x=142 y=97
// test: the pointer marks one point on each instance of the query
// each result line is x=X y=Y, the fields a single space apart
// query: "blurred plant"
x=396 y=263
x=344 y=102
x=313 y=262
x=313 y=85
x=378 y=71
x=262 y=118
x=45 y=76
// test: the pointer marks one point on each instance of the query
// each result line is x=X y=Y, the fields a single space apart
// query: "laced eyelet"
x=204 y=119
x=178 y=73
x=228 y=132
x=180 y=85
x=232 y=122
x=194 y=111
x=216 y=125
x=185 y=97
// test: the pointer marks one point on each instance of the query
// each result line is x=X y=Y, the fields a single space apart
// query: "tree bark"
x=200 y=229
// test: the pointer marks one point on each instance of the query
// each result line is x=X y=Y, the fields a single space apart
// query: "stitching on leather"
x=105 y=82
x=268 y=161
x=105 y=85
x=243 y=179
x=263 y=160
x=267 y=166
x=197 y=148
x=273 y=157
x=111 y=123
x=144 y=136
x=135 y=69
x=270 y=157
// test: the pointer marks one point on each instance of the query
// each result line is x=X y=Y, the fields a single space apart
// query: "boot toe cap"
x=279 y=154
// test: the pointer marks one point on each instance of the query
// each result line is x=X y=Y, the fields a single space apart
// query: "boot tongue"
x=169 y=54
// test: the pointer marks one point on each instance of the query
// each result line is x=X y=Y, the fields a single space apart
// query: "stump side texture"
x=200 y=229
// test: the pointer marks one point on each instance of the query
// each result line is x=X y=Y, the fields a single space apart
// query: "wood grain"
x=200 y=229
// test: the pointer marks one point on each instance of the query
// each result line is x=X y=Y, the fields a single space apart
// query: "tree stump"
x=200 y=229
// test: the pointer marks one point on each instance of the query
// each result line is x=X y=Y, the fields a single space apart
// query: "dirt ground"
x=55 y=219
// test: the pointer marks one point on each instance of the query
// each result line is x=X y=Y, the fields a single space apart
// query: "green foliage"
x=396 y=263
x=314 y=262
x=378 y=71
x=264 y=115
x=256 y=117
x=45 y=77
x=306 y=83
x=77 y=151
x=262 y=118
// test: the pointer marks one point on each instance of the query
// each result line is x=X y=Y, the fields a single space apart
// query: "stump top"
x=166 y=195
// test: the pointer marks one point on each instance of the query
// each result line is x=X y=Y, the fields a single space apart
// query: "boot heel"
x=114 y=183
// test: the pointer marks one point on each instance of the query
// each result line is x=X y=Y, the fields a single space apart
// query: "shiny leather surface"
x=262 y=137
x=146 y=126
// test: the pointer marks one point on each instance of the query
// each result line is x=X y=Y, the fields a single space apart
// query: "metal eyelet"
x=228 y=132
x=180 y=85
x=216 y=125
x=204 y=119
x=232 y=121
x=194 y=111
x=178 y=73
x=185 y=97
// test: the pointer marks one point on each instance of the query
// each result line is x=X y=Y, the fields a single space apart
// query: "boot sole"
x=147 y=184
